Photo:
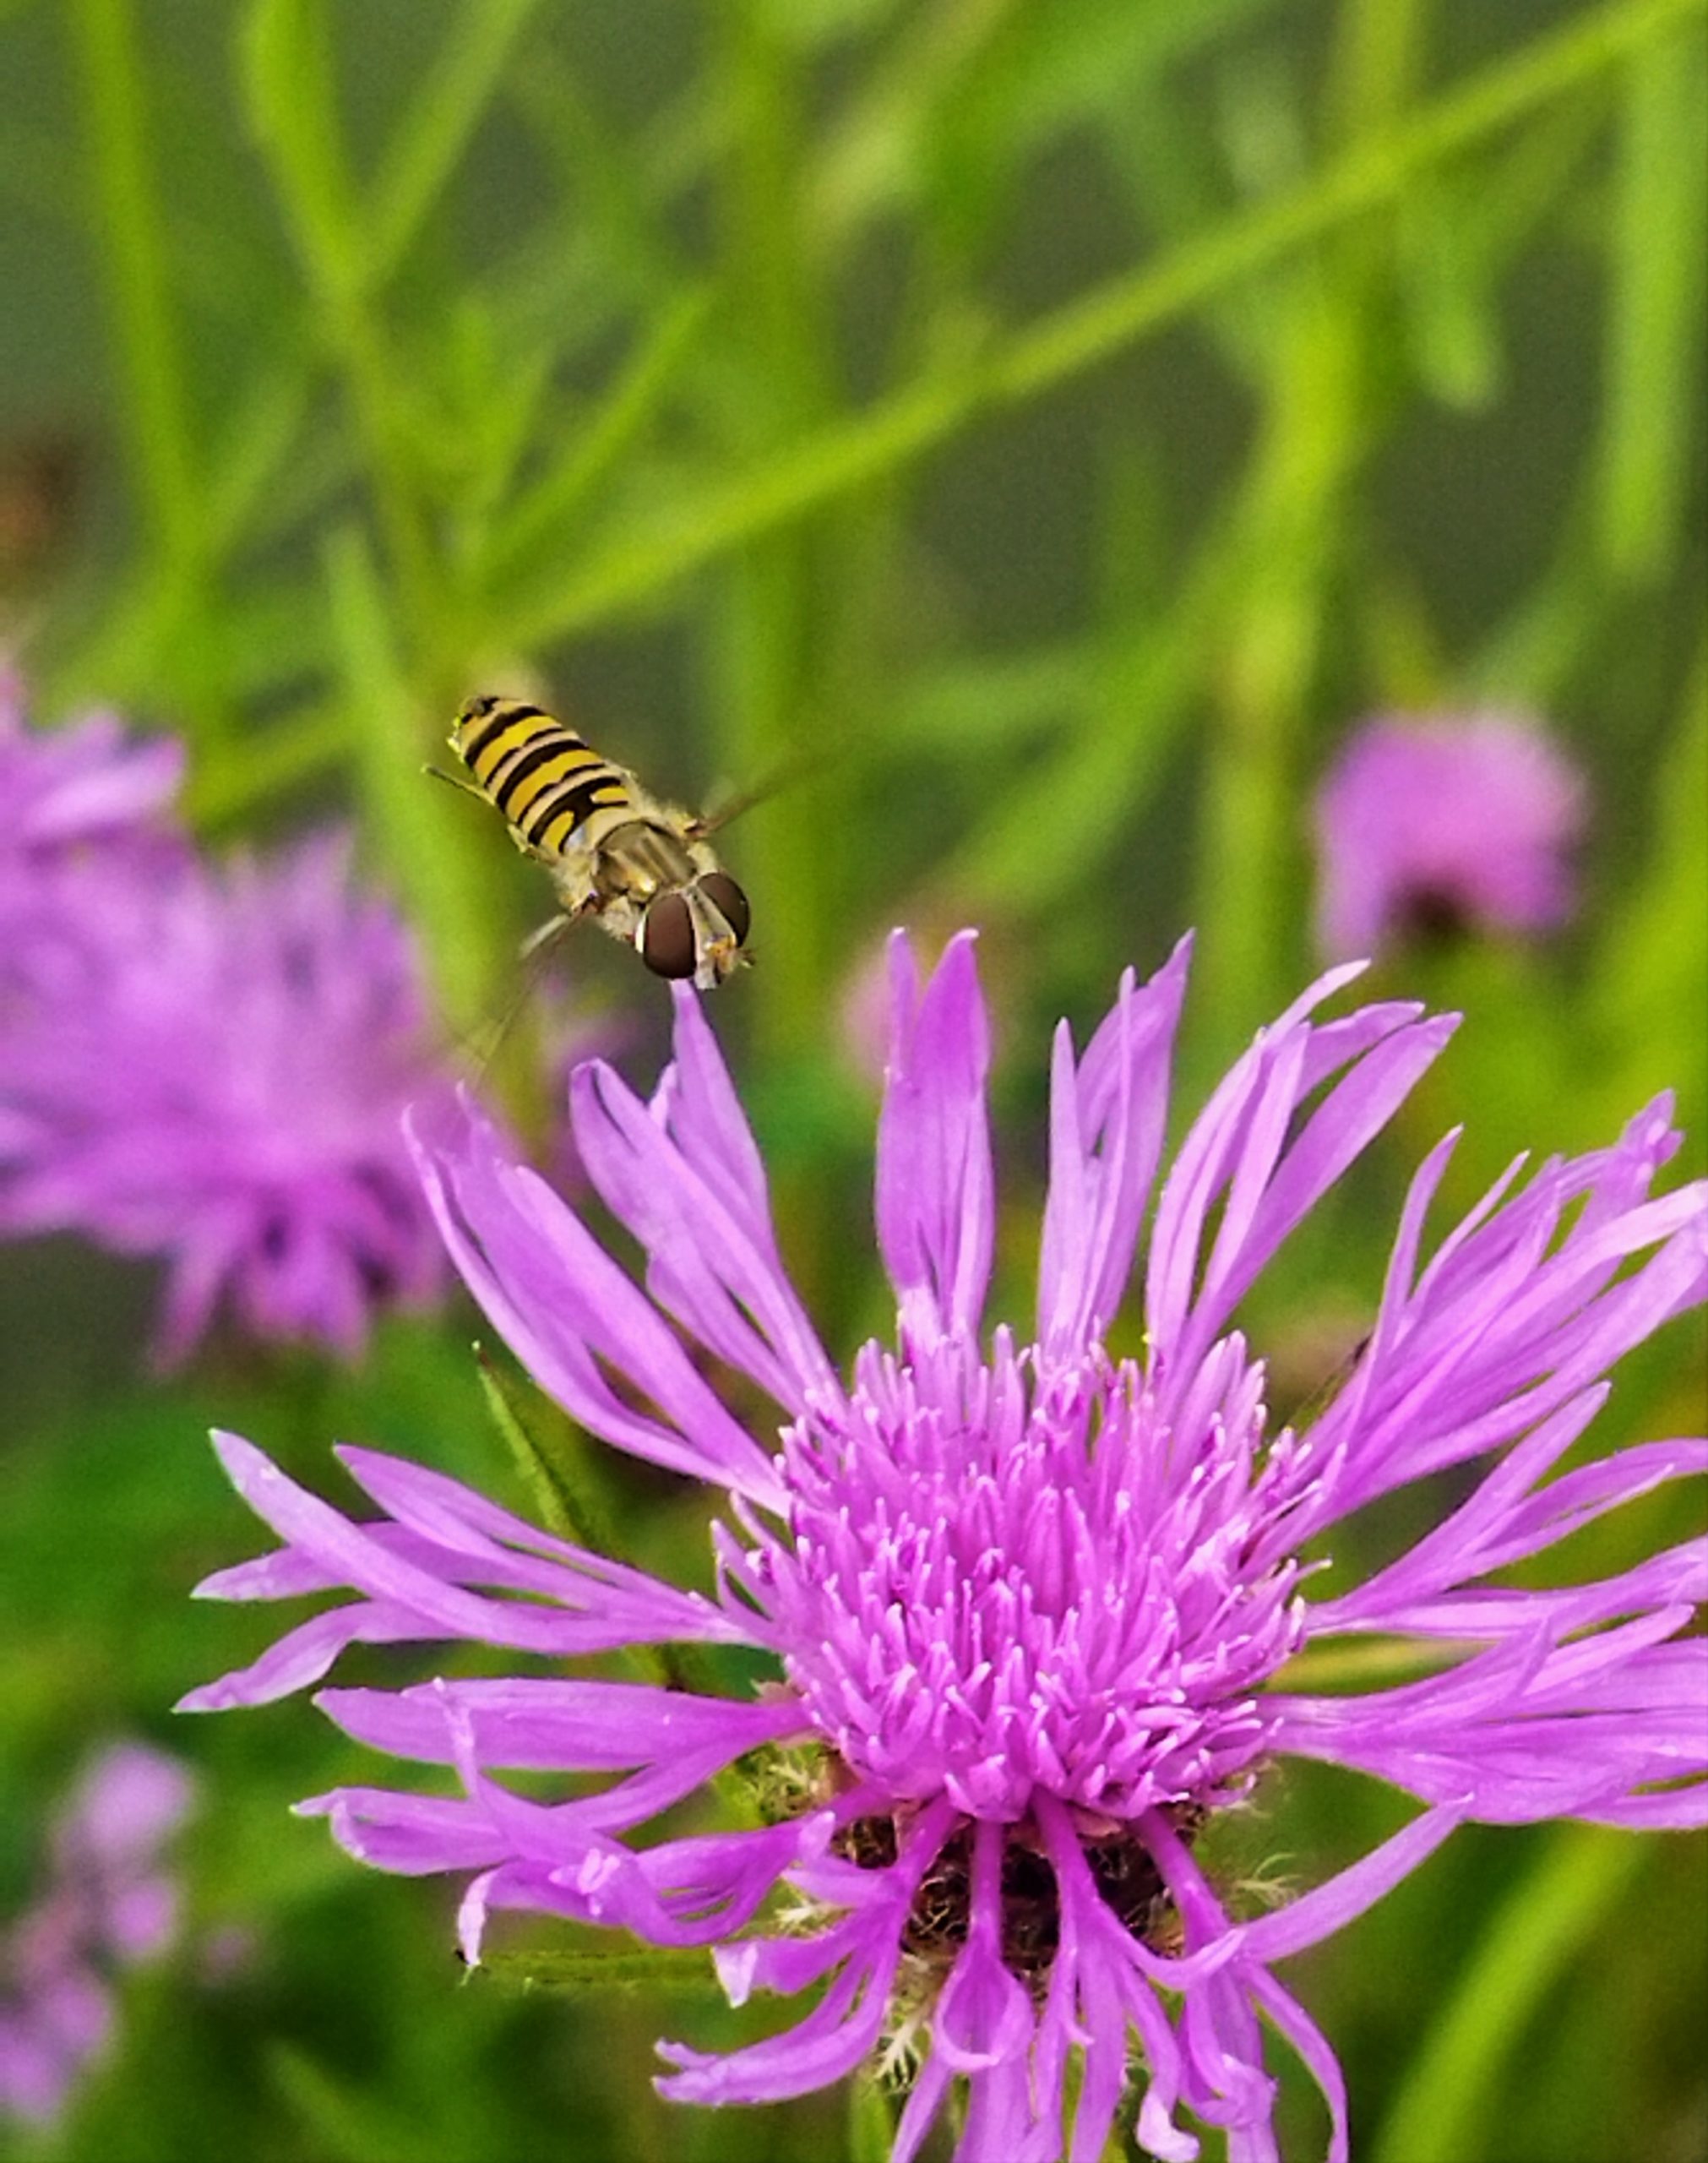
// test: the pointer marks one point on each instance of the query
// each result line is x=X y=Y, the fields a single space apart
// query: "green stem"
x=1654 y=314
x=770 y=636
x=439 y=120
x=1375 y=62
x=156 y=405
x=834 y=461
x=294 y=107
x=1444 y=2109
x=440 y=861
x=1320 y=426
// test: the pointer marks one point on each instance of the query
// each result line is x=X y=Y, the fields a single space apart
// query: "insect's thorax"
x=640 y=857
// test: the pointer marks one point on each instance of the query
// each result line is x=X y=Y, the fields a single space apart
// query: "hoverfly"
x=643 y=870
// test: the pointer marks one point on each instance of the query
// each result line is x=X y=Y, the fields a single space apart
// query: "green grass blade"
x=851 y=454
x=290 y=92
x=439 y=121
x=286 y=75
x=156 y=406
x=600 y=443
x=234 y=782
x=433 y=849
x=1655 y=309
x=1444 y=2112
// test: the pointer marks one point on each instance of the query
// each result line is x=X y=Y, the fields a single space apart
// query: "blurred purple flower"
x=1027 y=1605
x=88 y=815
x=223 y=1086
x=1430 y=823
x=79 y=788
x=111 y=1903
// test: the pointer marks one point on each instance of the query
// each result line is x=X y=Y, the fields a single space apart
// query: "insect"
x=643 y=870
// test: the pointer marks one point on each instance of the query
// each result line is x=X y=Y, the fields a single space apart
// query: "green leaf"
x=553 y=1476
x=871 y=2121
x=847 y=454
x=601 y=1969
x=1445 y=2109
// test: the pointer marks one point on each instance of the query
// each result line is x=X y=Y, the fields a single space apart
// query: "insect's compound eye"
x=730 y=902
x=666 y=937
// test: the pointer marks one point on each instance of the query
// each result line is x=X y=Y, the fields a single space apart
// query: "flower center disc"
x=1004 y=1578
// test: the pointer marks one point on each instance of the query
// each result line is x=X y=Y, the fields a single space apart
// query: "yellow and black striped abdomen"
x=538 y=773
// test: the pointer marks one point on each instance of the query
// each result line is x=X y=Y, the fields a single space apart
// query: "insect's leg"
x=542 y=937
x=456 y=781
x=575 y=882
x=534 y=950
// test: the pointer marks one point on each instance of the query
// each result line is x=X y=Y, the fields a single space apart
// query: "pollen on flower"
x=1006 y=1574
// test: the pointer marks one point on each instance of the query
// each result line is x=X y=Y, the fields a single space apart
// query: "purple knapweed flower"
x=1028 y=1604
x=90 y=821
x=1427 y=824
x=221 y=1083
x=111 y=1904
x=79 y=790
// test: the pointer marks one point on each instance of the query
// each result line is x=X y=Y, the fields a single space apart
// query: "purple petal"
x=1239 y=1150
x=441 y=1608
x=302 y=1655
x=679 y=1741
x=935 y=1187
x=416 y=1835
x=1342 y=1899
x=703 y=1117
x=461 y=1534
x=1107 y=1124
x=843 y=2028
x=564 y=1306
x=707 y=1264
x=1313 y=2046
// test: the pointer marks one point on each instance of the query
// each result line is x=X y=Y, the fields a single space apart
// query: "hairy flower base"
x=1026 y=1604
x=1123 y=1870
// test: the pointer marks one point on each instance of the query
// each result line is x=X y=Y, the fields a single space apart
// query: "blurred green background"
x=1032 y=435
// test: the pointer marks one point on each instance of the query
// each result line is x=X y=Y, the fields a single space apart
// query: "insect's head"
x=697 y=930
